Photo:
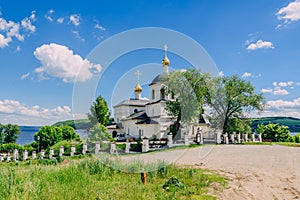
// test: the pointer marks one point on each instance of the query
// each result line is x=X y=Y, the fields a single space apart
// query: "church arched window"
x=153 y=94
x=162 y=93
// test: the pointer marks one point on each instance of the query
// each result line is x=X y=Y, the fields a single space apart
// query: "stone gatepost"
x=218 y=135
x=238 y=136
x=232 y=136
x=260 y=137
x=42 y=154
x=113 y=148
x=97 y=147
x=253 y=137
x=186 y=139
x=25 y=155
x=246 y=137
x=16 y=155
x=226 y=138
x=170 y=140
x=33 y=155
x=61 y=151
x=127 y=148
x=51 y=153
x=84 y=148
x=8 y=157
x=73 y=149
x=145 y=147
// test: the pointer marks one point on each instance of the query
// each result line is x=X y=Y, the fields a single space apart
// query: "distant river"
x=27 y=133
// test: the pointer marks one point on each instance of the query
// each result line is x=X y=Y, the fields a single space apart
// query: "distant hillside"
x=76 y=124
x=291 y=122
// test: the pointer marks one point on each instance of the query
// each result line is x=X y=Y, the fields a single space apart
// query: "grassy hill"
x=291 y=122
x=76 y=124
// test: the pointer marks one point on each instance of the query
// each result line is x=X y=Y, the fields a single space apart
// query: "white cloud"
x=24 y=76
x=274 y=84
x=246 y=74
x=14 y=31
x=289 y=13
x=280 y=91
x=19 y=48
x=4 y=41
x=32 y=16
x=285 y=84
x=77 y=35
x=75 y=19
x=266 y=90
x=10 y=29
x=97 y=26
x=12 y=111
x=61 y=62
x=48 y=16
x=281 y=108
x=260 y=44
x=26 y=23
x=60 y=20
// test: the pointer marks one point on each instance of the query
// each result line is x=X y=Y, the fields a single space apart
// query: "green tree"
x=275 y=132
x=239 y=125
x=231 y=97
x=98 y=133
x=68 y=133
x=188 y=89
x=11 y=133
x=2 y=134
x=99 y=112
x=49 y=135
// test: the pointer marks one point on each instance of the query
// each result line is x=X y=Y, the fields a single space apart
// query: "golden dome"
x=166 y=61
x=138 y=88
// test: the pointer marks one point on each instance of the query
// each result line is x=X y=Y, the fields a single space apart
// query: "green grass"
x=91 y=178
x=256 y=143
x=289 y=144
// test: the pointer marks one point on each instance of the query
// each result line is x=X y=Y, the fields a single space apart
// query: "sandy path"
x=254 y=171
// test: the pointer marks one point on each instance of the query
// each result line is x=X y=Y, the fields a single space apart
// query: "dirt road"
x=255 y=171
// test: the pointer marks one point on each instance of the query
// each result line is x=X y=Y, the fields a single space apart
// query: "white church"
x=139 y=117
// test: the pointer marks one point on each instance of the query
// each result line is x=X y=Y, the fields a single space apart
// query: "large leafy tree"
x=68 y=133
x=231 y=98
x=99 y=112
x=48 y=136
x=2 y=134
x=11 y=133
x=188 y=89
x=275 y=132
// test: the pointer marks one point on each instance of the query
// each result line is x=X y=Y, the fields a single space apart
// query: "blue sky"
x=44 y=43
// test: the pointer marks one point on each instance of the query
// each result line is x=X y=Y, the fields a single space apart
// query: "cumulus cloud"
x=266 y=90
x=280 y=91
x=278 y=88
x=285 y=84
x=281 y=108
x=289 y=13
x=12 y=111
x=26 y=23
x=75 y=19
x=4 y=41
x=61 y=62
x=24 y=76
x=97 y=26
x=10 y=29
x=48 y=16
x=60 y=20
x=246 y=74
x=260 y=44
